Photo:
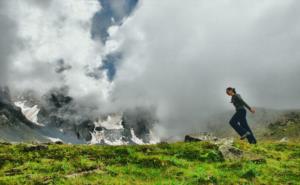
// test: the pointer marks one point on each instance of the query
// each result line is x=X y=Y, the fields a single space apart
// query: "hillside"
x=56 y=118
x=287 y=126
x=177 y=163
x=266 y=123
x=275 y=160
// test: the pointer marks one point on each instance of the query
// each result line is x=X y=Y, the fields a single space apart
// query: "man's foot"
x=245 y=135
x=253 y=142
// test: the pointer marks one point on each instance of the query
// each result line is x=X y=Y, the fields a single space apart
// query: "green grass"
x=178 y=163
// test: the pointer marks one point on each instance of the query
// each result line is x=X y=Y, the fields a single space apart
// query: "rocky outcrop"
x=84 y=130
x=141 y=120
x=10 y=113
x=225 y=145
x=57 y=116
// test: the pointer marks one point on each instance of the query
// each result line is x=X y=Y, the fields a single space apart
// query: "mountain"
x=57 y=118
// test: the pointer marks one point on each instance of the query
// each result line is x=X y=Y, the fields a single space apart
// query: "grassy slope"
x=287 y=126
x=178 y=163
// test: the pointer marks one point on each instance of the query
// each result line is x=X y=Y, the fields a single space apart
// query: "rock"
x=9 y=112
x=84 y=129
x=141 y=120
x=204 y=136
x=230 y=152
x=99 y=129
x=284 y=140
x=224 y=141
x=189 y=138
x=225 y=145
x=14 y=115
x=4 y=121
x=59 y=142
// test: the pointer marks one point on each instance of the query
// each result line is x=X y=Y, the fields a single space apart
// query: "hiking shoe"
x=245 y=135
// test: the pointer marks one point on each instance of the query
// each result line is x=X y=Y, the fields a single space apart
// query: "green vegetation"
x=268 y=162
x=287 y=126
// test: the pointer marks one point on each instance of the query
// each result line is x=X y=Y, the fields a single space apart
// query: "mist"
x=177 y=56
x=55 y=49
x=7 y=41
x=181 y=56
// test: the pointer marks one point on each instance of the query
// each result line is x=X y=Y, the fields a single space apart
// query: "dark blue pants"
x=240 y=125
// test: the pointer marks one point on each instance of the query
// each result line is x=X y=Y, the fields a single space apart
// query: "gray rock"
x=189 y=138
x=284 y=140
x=204 y=136
x=230 y=152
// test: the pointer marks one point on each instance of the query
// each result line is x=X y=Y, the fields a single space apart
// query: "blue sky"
x=113 y=12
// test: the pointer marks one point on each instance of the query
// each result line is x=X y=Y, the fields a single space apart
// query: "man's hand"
x=252 y=110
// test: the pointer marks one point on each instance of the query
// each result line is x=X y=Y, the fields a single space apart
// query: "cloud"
x=53 y=36
x=39 y=3
x=181 y=57
x=113 y=12
x=175 y=56
x=7 y=41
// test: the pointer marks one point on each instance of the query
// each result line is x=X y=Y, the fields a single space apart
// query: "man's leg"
x=244 y=124
x=236 y=126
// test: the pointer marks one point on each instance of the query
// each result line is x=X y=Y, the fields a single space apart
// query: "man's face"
x=229 y=92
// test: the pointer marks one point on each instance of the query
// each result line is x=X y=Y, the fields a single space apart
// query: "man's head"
x=230 y=91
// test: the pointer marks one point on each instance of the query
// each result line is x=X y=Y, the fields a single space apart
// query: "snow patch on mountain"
x=136 y=139
x=100 y=138
x=52 y=139
x=111 y=122
x=31 y=113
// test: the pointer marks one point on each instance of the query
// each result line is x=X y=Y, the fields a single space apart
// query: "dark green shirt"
x=239 y=103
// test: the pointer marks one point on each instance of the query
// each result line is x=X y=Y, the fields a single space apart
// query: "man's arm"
x=246 y=105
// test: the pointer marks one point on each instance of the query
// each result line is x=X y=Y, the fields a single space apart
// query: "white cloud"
x=178 y=56
x=181 y=56
x=7 y=41
x=58 y=30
